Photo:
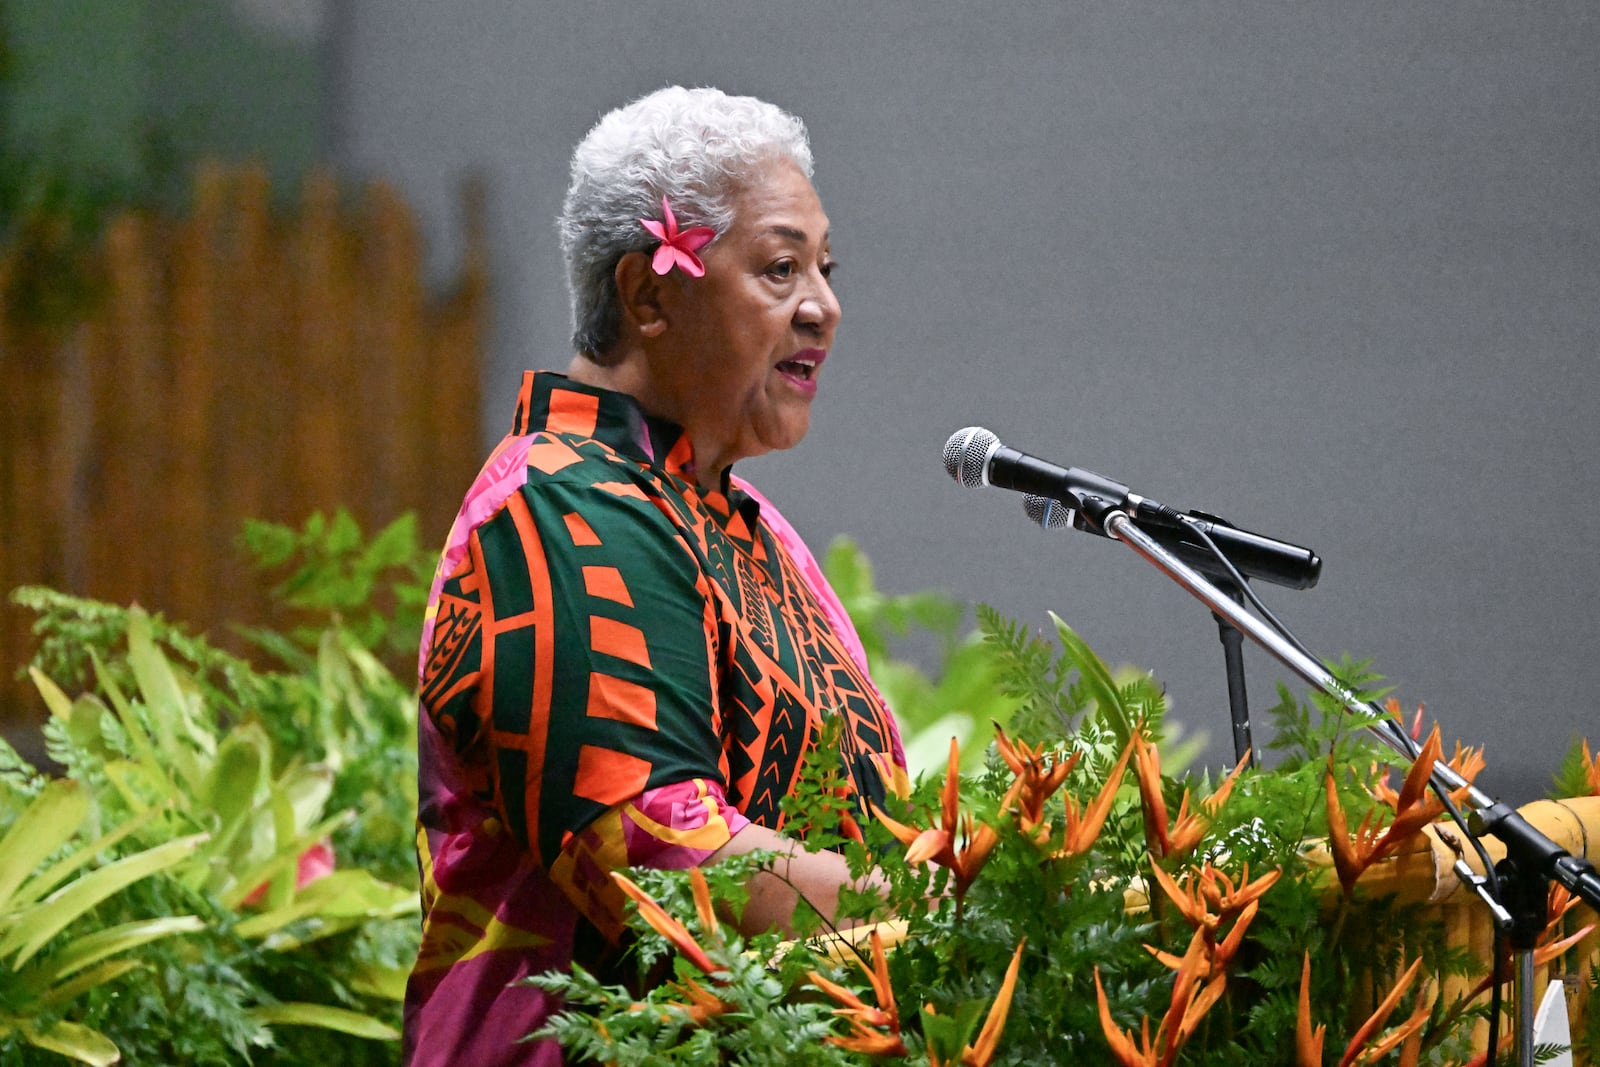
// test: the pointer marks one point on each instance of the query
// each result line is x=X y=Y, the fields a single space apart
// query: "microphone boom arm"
x=1524 y=843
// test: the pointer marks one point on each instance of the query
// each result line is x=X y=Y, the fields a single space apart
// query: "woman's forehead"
x=779 y=200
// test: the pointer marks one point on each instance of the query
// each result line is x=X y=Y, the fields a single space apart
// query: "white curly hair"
x=692 y=146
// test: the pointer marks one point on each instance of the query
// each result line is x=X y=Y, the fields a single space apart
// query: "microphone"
x=974 y=456
x=1251 y=554
x=1060 y=496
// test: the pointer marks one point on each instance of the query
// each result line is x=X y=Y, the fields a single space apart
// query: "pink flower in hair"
x=678 y=249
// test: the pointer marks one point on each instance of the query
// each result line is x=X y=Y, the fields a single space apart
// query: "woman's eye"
x=784 y=268
x=828 y=267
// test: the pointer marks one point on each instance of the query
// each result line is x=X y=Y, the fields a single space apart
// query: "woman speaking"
x=628 y=652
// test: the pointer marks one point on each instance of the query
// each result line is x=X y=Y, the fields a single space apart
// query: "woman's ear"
x=639 y=294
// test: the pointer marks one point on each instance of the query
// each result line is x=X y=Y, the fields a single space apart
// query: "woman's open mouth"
x=802 y=366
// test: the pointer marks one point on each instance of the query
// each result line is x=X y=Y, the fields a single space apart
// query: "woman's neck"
x=630 y=376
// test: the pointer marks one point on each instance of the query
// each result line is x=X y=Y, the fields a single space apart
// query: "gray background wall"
x=1328 y=269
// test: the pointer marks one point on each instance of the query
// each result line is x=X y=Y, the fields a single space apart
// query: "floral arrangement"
x=1069 y=902
x=222 y=871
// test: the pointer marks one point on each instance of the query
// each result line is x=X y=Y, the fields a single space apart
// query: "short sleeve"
x=595 y=661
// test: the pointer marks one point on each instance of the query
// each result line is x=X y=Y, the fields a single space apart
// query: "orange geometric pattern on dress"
x=547 y=457
x=606 y=583
x=573 y=413
x=737 y=529
x=622 y=700
x=582 y=534
x=618 y=639
x=609 y=777
x=681 y=455
x=622 y=489
x=534 y=739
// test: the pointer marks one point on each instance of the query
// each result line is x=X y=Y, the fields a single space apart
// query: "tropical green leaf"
x=244 y=881
x=73 y=1040
x=327 y=1017
x=46 y=880
x=144 y=749
x=92 y=948
x=232 y=788
x=45 y=825
x=58 y=702
x=306 y=789
x=1096 y=678
x=55 y=997
x=48 y=917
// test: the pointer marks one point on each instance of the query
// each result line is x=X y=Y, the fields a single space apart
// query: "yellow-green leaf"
x=175 y=727
x=44 y=920
x=152 y=763
x=53 y=876
x=341 y=900
x=69 y=990
x=386 y=983
x=240 y=883
x=1096 y=679
x=58 y=702
x=73 y=1040
x=44 y=826
x=328 y=1017
x=92 y=948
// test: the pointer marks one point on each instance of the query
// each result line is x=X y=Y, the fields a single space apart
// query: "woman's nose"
x=820 y=307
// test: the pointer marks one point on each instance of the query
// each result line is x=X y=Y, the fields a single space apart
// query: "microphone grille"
x=966 y=455
x=1050 y=514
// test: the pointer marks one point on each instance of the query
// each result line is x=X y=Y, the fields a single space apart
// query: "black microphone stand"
x=1233 y=664
x=1532 y=859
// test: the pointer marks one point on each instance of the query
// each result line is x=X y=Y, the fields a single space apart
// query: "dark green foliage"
x=375 y=591
x=1573 y=778
x=164 y=717
x=1079 y=916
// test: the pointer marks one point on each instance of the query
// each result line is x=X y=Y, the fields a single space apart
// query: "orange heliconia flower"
x=670 y=928
x=1188 y=827
x=1414 y=795
x=1414 y=808
x=1362 y=1049
x=1037 y=782
x=959 y=842
x=1083 y=829
x=1196 y=988
x=1591 y=769
x=876 y=1029
x=1210 y=896
x=1307 y=1039
x=1543 y=953
x=981 y=1052
x=702 y=1005
x=1210 y=900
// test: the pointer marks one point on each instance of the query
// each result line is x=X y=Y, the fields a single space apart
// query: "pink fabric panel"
x=503 y=473
x=684 y=807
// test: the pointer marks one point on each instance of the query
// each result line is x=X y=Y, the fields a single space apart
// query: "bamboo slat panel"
x=237 y=363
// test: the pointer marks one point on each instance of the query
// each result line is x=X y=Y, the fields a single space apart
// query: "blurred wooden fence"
x=237 y=363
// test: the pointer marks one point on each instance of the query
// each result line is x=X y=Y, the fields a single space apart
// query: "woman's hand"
x=774 y=895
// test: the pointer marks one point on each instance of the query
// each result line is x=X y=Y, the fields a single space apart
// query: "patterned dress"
x=618 y=668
